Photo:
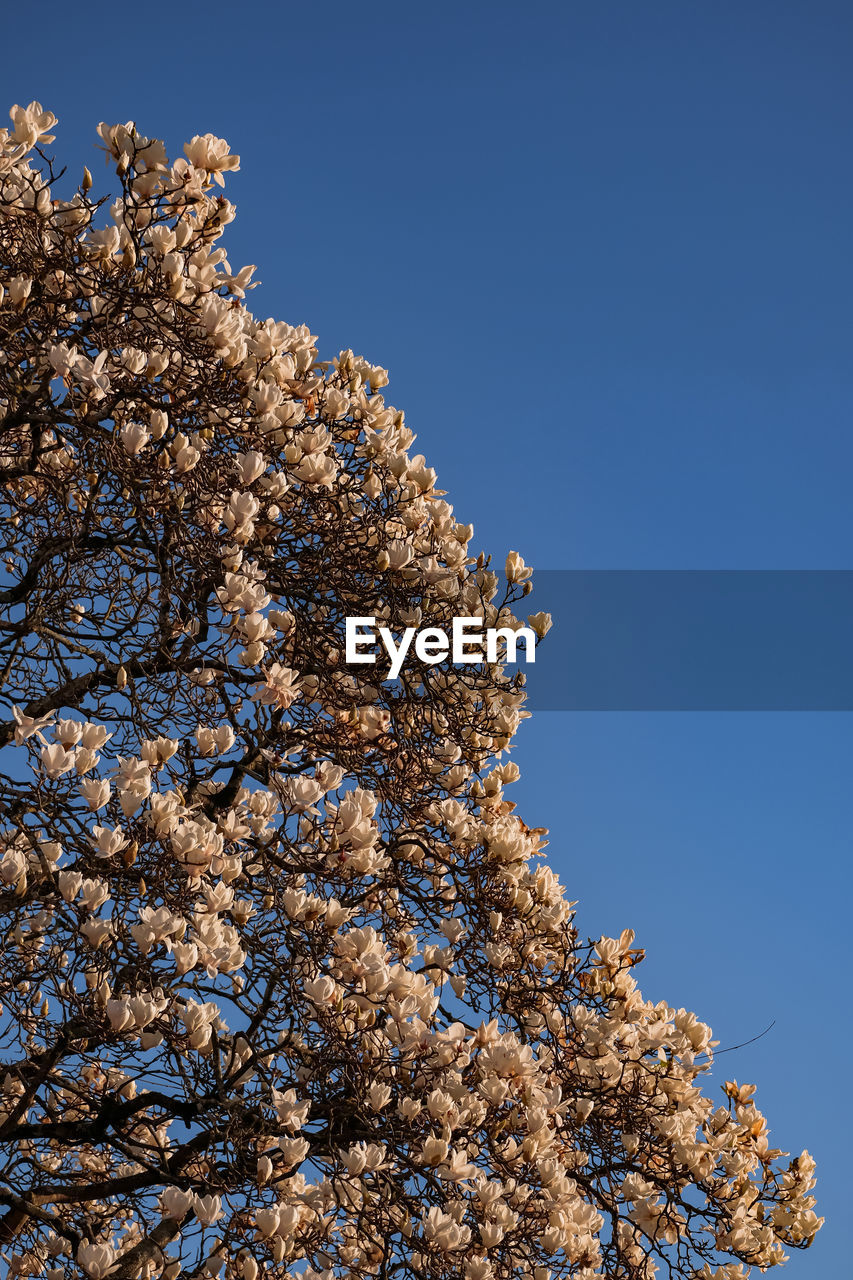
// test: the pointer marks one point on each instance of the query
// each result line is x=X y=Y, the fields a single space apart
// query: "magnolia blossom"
x=96 y=1259
x=109 y=840
x=516 y=569
x=56 y=760
x=251 y=465
x=94 y=736
x=29 y=726
x=194 y=846
x=280 y=688
x=211 y=153
x=214 y=741
x=90 y=375
x=20 y=288
x=175 y=1203
x=208 y=1209
x=134 y=436
x=31 y=125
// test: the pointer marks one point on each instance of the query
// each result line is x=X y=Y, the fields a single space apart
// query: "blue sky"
x=604 y=250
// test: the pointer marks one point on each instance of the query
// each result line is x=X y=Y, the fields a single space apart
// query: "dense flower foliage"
x=288 y=988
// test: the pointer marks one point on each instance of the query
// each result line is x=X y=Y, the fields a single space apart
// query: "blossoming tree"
x=287 y=987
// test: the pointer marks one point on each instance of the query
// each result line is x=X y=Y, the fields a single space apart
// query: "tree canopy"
x=288 y=987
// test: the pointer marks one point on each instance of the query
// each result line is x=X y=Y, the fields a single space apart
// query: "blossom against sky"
x=603 y=252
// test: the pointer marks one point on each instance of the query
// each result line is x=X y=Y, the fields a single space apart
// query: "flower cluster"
x=289 y=989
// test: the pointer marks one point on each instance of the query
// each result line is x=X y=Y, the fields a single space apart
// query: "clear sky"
x=604 y=250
